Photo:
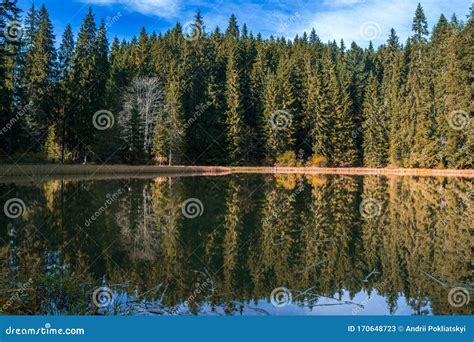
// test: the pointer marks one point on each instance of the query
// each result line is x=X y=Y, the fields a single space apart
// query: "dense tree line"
x=189 y=96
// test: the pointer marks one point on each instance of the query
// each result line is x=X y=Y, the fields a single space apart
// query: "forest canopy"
x=195 y=97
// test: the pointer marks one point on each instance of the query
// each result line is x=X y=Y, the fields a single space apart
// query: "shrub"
x=317 y=161
x=287 y=159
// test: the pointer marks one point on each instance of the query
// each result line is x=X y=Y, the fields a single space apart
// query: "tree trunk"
x=63 y=138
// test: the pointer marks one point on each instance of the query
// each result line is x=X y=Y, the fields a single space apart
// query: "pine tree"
x=287 y=104
x=40 y=74
x=65 y=58
x=102 y=61
x=51 y=147
x=317 y=112
x=83 y=84
x=391 y=88
x=31 y=25
x=420 y=25
x=234 y=112
x=232 y=31
x=343 y=149
x=142 y=51
x=459 y=102
x=359 y=63
x=170 y=130
x=438 y=53
x=375 y=142
x=418 y=102
x=9 y=52
x=270 y=131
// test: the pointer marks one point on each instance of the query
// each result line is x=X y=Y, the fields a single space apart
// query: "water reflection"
x=340 y=245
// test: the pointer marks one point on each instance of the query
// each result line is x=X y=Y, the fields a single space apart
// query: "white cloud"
x=336 y=3
x=159 y=8
x=364 y=20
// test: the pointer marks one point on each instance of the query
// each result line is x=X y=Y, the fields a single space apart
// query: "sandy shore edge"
x=146 y=170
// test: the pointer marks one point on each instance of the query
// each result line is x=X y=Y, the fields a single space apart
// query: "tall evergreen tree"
x=317 y=111
x=418 y=106
x=9 y=51
x=343 y=148
x=459 y=102
x=65 y=58
x=234 y=112
x=374 y=127
x=40 y=74
x=83 y=84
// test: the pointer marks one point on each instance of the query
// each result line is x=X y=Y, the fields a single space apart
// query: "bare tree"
x=142 y=107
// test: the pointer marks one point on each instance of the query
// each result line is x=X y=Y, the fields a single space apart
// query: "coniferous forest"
x=199 y=96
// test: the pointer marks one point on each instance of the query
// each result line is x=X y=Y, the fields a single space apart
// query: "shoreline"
x=139 y=171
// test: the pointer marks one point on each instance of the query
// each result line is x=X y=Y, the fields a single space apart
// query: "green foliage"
x=234 y=112
x=374 y=127
x=317 y=161
x=51 y=147
x=235 y=98
x=287 y=159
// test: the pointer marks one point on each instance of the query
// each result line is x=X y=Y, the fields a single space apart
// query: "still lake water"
x=237 y=245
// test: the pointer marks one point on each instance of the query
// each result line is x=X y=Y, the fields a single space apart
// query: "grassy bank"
x=106 y=170
x=121 y=171
x=359 y=171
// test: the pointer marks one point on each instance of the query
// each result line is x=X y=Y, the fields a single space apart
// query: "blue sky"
x=352 y=20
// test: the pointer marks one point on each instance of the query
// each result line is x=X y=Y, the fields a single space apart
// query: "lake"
x=237 y=245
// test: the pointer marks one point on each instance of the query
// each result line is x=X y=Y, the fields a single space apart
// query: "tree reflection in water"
x=339 y=245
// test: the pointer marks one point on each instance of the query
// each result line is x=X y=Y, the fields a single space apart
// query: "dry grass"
x=359 y=171
x=91 y=169
x=121 y=171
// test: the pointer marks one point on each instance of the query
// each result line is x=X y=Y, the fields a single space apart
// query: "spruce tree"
x=65 y=58
x=9 y=51
x=390 y=88
x=317 y=112
x=418 y=107
x=459 y=102
x=438 y=57
x=234 y=112
x=170 y=130
x=270 y=106
x=343 y=148
x=83 y=84
x=375 y=142
x=40 y=74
